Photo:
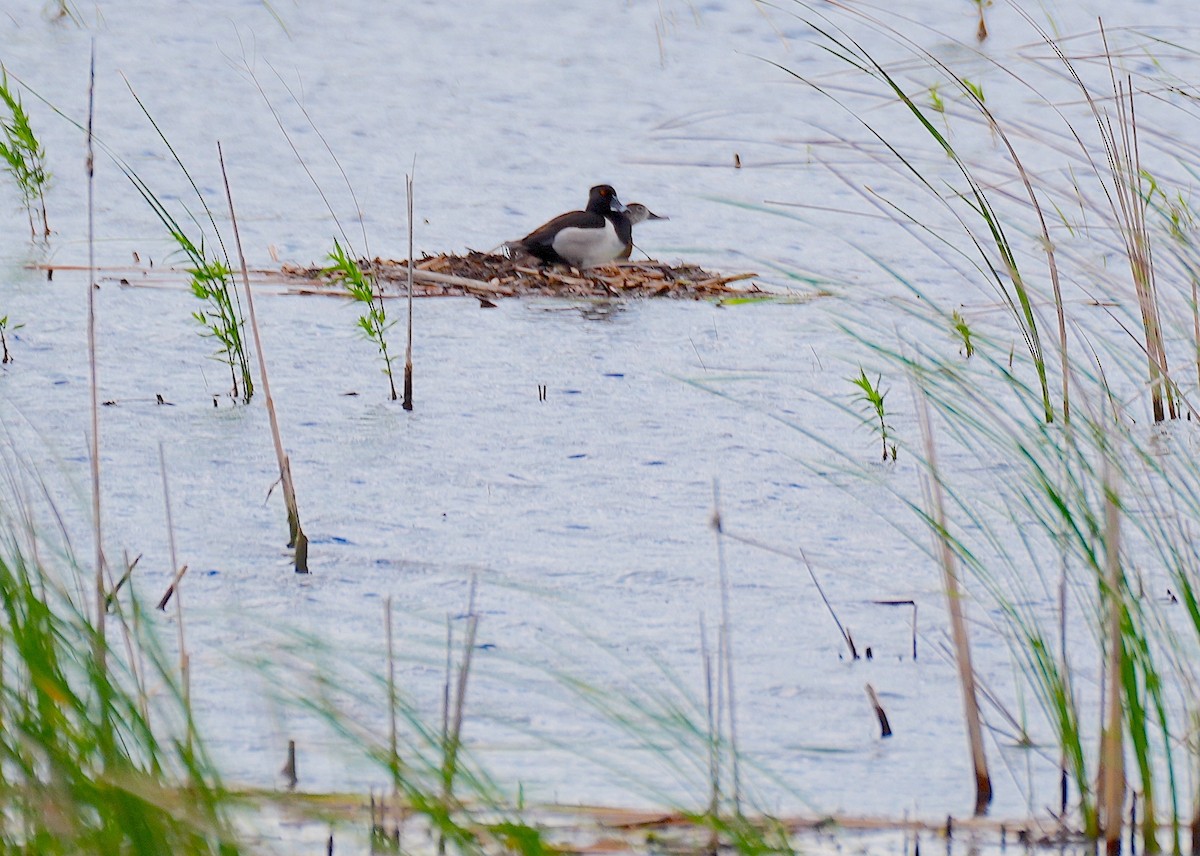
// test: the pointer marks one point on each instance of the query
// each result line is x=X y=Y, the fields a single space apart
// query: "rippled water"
x=585 y=517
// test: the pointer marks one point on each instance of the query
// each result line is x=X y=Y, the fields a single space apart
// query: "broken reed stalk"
x=296 y=536
x=1112 y=757
x=958 y=625
x=101 y=600
x=800 y=556
x=885 y=727
x=408 y=364
x=171 y=589
x=289 y=767
x=725 y=650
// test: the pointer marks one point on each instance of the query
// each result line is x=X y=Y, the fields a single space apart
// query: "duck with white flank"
x=595 y=236
x=638 y=213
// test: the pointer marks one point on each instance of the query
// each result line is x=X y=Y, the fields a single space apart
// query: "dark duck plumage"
x=597 y=235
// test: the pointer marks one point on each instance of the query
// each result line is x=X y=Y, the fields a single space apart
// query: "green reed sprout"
x=24 y=156
x=872 y=397
x=5 y=356
x=212 y=282
x=963 y=331
x=373 y=321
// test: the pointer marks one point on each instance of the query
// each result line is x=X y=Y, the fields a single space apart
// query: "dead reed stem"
x=185 y=676
x=393 y=753
x=725 y=650
x=885 y=727
x=171 y=589
x=714 y=738
x=800 y=556
x=296 y=536
x=452 y=723
x=958 y=624
x=408 y=364
x=101 y=600
x=1112 y=755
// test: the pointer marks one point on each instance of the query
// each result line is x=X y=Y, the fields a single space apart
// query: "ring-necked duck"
x=638 y=213
x=595 y=236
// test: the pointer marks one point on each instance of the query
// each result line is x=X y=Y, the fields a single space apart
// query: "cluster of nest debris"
x=485 y=276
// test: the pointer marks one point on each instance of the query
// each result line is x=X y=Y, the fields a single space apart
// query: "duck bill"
x=650 y=215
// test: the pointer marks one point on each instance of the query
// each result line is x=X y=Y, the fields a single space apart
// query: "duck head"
x=602 y=199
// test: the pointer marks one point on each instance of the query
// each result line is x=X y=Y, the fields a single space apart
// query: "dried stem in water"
x=408 y=364
x=296 y=536
x=958 y=624
x=101 y=600
x=1112 y=757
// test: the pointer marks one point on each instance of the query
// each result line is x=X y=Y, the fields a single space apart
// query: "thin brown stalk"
x=1112 y=759
x=800 y=556
x=958 y=625
x=714 y=739
x=171 y=590
x=101 y=599
x=885 y=727
x=453 y=728
x=296 y=536
x=725 y=651
x=393 y=754
x=408 y=350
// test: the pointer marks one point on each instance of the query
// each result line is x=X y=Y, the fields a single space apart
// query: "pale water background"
x=585 y=517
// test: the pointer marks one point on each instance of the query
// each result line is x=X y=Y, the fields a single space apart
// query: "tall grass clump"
x=24 y=157
x=1068 y=531
x=360 y=286
x=93 y=748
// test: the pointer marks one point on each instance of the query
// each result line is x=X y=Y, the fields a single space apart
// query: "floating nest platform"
x=486 y=276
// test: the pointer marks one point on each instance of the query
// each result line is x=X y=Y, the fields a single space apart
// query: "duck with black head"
x=595 y=236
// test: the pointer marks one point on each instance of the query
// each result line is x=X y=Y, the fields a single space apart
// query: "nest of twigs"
x=485 y=275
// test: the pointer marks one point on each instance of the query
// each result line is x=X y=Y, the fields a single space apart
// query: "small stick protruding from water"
x=408 y=364
x=289 y=767
x=129 y=566
x=885 y=727
x=166 y=598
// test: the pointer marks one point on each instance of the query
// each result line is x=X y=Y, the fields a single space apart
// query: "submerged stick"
x=296 y=536
x=408 y=365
